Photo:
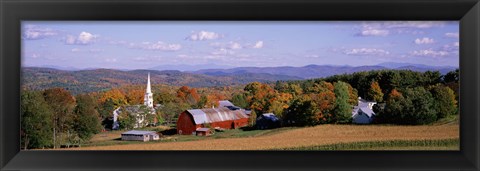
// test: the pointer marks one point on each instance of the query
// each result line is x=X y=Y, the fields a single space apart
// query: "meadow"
x=320 y=137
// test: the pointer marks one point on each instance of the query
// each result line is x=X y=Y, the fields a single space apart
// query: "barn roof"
x=137 y=132
x=269 y=116
x=203 y=129
x=367 y=111
x=210 y=115
x=225 y=103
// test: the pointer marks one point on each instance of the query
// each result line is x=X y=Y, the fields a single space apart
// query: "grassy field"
x=442 y=144
x=113 y=137
x=336 y=137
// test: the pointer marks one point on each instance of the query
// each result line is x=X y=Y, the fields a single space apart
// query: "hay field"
x=302 y=137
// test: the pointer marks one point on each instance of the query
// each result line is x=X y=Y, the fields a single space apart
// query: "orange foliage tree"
x=259 y=96
x=135 y=96
x=324 y=100
x=188 y=95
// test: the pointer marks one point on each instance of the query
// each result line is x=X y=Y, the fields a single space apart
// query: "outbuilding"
x=203 y=132
x=267 y=121
x=190 y=120
x=135 y=135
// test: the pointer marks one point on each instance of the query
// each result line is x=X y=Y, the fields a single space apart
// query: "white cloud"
x=377 y=28
x=204 y=35
x=258 y=45
x=223 y=51
x=452 y=35
x=366 y=51
x=452 y=48
x=312 y=56
x=32 y=32
x=424 y=40
x=111 y=60
x=78 y=50
x=374 y=32
x=157 y=46
x=84 y=38
x=430 y=53
x=234 y=45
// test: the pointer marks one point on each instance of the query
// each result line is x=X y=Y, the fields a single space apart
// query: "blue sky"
x=146 y=44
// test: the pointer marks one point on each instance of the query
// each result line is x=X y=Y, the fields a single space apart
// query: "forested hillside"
x=85 y=81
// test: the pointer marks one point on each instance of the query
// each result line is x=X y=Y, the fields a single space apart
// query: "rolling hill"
x=90 y=80
x=82 y=81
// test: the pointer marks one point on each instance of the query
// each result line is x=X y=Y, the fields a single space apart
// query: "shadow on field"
x=172 y=131
x=248 y=128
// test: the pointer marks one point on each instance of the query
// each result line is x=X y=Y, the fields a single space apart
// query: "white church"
x=137 y=110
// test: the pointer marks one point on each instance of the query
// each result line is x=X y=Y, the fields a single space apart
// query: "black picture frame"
x=14 y=11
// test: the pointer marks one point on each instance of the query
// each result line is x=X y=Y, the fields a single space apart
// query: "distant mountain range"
x=189 y=67
x=80 y=81
x=319 y=71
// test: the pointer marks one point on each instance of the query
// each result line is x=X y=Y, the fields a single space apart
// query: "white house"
x=137 y=109
x=135 y=135
x=363 y=112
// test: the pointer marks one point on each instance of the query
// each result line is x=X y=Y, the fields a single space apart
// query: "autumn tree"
x=375 y=92
x=188 y=95
x=324 y=98
x=115 y=95
x=62 y=103
x=342 y=110
x=109 y=101
x=135 y=96
x=259 y=96
x=36 y=123
x=444 y=101
x=352 y=95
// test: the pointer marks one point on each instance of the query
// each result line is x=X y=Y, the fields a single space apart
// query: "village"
x=207 y=121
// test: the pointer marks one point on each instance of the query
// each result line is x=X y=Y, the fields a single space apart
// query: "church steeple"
x=148 y=98
x=149 y=89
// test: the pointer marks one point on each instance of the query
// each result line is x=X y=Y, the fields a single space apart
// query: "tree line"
x=402 y=96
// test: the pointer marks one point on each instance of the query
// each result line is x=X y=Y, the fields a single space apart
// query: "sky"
x=146 y=44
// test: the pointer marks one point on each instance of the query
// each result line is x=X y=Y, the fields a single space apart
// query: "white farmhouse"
x=363 y=112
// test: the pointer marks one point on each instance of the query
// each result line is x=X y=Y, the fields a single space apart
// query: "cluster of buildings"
x=201 y=122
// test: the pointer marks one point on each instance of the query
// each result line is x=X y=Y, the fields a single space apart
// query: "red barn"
x=221 y=117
